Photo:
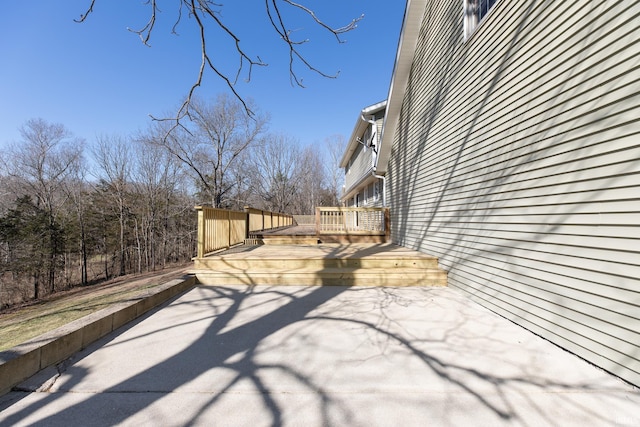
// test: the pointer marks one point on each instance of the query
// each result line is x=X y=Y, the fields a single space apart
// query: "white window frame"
x=472 y=17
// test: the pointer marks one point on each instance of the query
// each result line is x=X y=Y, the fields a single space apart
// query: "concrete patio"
x=333 y=356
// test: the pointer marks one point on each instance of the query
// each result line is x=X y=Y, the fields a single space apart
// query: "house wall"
x=379 y=119
x=516 y=160
x=371 y=198
x=361 y=166
x=374 y=193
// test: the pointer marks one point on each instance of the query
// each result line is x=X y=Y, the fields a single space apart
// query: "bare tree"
x=113 y=156
x=76 y=190
x=275 y=171
x=53 y=221
x=211 y=144
x=206 y=16
x=241 y=194
x=156 y=176
x=311 y=181
x=40 y=164
x=335 y=146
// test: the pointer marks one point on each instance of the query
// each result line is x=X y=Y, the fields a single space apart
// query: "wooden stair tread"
x=319 y=265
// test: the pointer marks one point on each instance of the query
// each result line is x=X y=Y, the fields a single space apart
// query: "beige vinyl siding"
x=373 y=199
x=361 y=167
x=516 y=160
x=379 y=119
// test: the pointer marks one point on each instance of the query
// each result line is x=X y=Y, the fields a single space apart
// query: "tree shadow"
x=445 y=73
x=507 y=184
x=263 y=343
x=216 y=345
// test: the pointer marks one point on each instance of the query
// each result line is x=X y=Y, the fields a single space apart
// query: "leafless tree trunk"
x=77 y=193
x=155 y=178
x=113 y=157
x=311 y=180
x=335 y=149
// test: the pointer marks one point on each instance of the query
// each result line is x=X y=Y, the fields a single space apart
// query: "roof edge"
x=358 y=128
x=414 y=13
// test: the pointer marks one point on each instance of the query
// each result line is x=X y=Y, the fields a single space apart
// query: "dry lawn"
x=18 y=325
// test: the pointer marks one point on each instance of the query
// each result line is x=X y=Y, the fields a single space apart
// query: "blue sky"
x=97 y=78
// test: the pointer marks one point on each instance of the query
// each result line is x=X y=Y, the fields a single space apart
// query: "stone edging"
x=24 y=360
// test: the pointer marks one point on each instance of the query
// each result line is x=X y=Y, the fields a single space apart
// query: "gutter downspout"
x=373 y=172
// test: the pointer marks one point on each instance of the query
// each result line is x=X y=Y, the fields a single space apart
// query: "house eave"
x=414 y=13
x=359 y=129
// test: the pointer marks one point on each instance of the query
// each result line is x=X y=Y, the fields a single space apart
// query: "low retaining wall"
x=24 y=360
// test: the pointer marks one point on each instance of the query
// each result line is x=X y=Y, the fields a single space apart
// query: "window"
x=474 y=13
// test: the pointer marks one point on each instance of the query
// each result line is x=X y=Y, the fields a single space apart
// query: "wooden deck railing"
x=367 y=221
x=265 y=220
x=220 y=228
x=304 y=219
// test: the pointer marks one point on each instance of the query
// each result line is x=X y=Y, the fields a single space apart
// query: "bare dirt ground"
x=21 y=323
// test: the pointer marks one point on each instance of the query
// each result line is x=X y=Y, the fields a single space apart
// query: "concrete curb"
x=24 y=360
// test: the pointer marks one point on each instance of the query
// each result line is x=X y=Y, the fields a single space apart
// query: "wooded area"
x=74 y=213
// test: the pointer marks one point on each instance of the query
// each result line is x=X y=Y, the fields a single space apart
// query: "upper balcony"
x=360 y=156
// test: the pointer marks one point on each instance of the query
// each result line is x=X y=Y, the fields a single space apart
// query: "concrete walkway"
x=323 y=356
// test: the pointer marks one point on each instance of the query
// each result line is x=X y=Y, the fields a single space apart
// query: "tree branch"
x=277 y=22
x=201 y=10
x=335 y=31
x=145 y=32
x=83 y=17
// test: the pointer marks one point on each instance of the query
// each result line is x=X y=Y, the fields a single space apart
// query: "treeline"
x=73 y=213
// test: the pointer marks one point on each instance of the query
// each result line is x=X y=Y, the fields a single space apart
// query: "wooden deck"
x=296 y=230
x=307 y=235
x=295 y=235
x=320 y=264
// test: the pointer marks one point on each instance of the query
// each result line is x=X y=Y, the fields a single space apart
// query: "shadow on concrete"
x=263 y=344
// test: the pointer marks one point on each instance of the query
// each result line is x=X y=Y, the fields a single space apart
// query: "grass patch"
x=20 y=325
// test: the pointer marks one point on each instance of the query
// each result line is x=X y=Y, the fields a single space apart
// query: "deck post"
x=229 y=227
x=246 y=222
x=317 y=221
x=201 y=234
x=344 y=218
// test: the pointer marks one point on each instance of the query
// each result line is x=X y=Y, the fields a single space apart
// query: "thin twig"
x=335 y=31
x=83 y=17
x=145 y=32
x=200 y=10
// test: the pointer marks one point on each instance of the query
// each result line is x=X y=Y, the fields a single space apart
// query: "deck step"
x=287 y=264
x=321 y=264
x=325 y=277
